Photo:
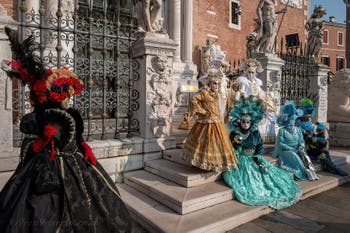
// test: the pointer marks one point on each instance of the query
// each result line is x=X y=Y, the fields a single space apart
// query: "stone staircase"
x=170 y=196
x=8 y=163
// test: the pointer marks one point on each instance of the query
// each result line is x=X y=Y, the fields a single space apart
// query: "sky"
x=334 y=8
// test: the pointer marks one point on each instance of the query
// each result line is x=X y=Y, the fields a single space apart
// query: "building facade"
x=334 y=42
x=228 y=22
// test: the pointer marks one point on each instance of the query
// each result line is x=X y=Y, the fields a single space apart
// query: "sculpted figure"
x=339 y=97
x=266 y=25
x=315 y=28
x=147 y=12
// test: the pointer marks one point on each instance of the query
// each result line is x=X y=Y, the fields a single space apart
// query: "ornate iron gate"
x=296 y=73
x=93 y=38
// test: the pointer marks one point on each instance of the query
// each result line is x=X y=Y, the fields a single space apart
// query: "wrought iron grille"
x=296 y=73
x=93 y=38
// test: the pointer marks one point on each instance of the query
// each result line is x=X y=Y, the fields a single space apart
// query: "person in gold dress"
x=208 y=145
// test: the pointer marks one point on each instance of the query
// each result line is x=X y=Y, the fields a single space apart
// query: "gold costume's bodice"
x=205 y=104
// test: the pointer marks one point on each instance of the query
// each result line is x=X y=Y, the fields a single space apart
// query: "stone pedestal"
x=319 y=91
x=271 y=77
x=154 y=55
x=339 y=109
x=6 y=135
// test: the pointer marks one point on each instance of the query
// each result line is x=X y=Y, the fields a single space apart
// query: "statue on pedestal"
x=266 y=25
x=315 y=28
x=147 y=12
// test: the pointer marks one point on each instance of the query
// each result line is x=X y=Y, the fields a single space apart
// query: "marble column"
x=6 y=133
x=347 y=51
x=175 y=26
x=186 y=46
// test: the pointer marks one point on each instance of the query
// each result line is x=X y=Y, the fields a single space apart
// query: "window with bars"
x=325 y=37
x=235 y=14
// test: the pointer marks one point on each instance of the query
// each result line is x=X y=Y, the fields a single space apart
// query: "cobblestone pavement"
x=328 y=212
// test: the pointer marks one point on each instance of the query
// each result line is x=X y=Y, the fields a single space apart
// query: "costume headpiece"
x=320 y=127
x=245 y=108
x=214 y=75
x=288 y=114
x=53 y=86
x=308 y=107
x=251 y=63
x=217 y=57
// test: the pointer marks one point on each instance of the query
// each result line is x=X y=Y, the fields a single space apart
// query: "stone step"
x=156 y=217
x=181 y=174
x=181 y=199
x=222 y=217
x=176 y=174
x=327 y=181
x=4 y=177
x=9 y=163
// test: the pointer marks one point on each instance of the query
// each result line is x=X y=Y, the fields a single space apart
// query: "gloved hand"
x=262 y=167
x=40 y=143
x=88 y=154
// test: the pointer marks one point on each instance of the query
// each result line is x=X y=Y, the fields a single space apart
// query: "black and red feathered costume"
x=58 y=185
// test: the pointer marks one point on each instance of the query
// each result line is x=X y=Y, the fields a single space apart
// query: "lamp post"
x=347 y=48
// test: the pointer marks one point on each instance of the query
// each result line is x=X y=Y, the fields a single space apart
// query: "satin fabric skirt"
x=208 y=147
x=276 y=189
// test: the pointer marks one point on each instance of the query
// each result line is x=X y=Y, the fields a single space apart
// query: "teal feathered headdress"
x=252 y=107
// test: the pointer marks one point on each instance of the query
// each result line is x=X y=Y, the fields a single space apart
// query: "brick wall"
x=332 y=49
x=9 y=6
x=211 y=20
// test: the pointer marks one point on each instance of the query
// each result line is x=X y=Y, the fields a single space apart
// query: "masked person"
x=290 y=147
x=207 y=144
x=256 y=181
x=316 y=143
x=58 y=185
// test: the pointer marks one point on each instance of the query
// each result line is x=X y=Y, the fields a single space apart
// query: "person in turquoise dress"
x=256 y=181
x=290 y=147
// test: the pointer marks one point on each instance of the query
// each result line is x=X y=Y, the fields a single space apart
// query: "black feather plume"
x=24 y=54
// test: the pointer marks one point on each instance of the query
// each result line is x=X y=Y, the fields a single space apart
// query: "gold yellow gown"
x=208 y=145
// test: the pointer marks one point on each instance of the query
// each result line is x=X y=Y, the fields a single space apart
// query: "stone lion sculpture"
x=339 y=97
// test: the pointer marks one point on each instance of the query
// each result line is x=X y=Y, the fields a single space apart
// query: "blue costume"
x=290 y=146
x=316 y=143
x=256 y=181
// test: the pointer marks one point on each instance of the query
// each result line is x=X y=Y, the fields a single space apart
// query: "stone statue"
x=266 y=25
x=315 y=28
x=206 y=57
x=251 y=44
x=147 y=12
x=339 y=97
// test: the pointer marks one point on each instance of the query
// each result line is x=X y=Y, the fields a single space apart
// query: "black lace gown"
x=66 y=194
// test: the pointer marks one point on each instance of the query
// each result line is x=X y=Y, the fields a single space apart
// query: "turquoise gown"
x=275 y=188
x=288 y=142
